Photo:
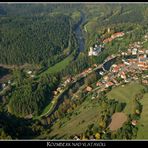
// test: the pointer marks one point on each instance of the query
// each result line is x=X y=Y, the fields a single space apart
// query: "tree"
x=102 y=123
x=91 y=78
x=119 y=107
x=97 y=136
x=44 y=121
x=49 y=120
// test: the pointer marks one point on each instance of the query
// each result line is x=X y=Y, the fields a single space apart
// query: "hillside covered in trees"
x=33 y=39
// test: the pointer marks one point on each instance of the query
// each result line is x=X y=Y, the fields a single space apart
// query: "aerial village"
x=133 y=62
x=97 y=49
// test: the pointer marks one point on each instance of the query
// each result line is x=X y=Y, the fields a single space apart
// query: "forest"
x=34 y=40
x=30 y=97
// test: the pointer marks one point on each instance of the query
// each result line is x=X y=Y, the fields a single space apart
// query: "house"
x=135 y=78
x=59 y=89
x=134 y=51
x=88 y=88
x=55 y=92
x=76 y=138
x=145 y=81
x=115 y=69
x=143 y=58
x=106 y=78
x=137 y=111
x=94 y=51
x=118 y=34
x=129 y=51
x=127 y=80
x=123 y=53
x=68 y=80
x=90 y=69
x=3 y=85
x=115 y=35
x=123 y=76
x=95 y=65
x=90 y=53
x=108 y=84
x=121 y=65
x=134 y=122
x=101 y=73
x=107 y=40
x=114 y=65
x=146 y=36
x=92 y=137
x=141 y=51
x=9 y=81
x=130 y=61
x=29 y=72
x=115 y=81
x=141 y=64
x=98 y=84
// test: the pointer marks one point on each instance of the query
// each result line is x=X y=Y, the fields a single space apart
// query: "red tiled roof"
x=118 y=34
x=98 y=83
x=116 y=69
x=109 y=83
x=107 y=40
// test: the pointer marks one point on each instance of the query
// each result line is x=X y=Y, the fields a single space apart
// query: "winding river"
x=79 y=33
x=81 y=47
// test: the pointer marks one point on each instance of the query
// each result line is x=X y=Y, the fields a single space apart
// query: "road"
x=59 y=99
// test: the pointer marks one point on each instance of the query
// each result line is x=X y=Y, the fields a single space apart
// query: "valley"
x=73 y=72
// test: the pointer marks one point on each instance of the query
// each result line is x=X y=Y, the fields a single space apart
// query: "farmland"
x=126 y=94
x=117 y=121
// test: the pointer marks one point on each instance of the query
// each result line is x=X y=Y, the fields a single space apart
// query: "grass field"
x=145 y=45
x=126 y=94
x=91 y=26
x=88 y=113
x=143 y=123
x=59 y=66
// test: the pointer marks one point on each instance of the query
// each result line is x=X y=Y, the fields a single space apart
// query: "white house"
x=29 y=72
x=134 y=51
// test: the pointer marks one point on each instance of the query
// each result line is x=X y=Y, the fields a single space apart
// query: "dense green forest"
x=30 y=97
x=34 y=40
x=40 y=33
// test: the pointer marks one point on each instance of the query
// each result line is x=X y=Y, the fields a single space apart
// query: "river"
x=81 y=47
x=79 y=35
